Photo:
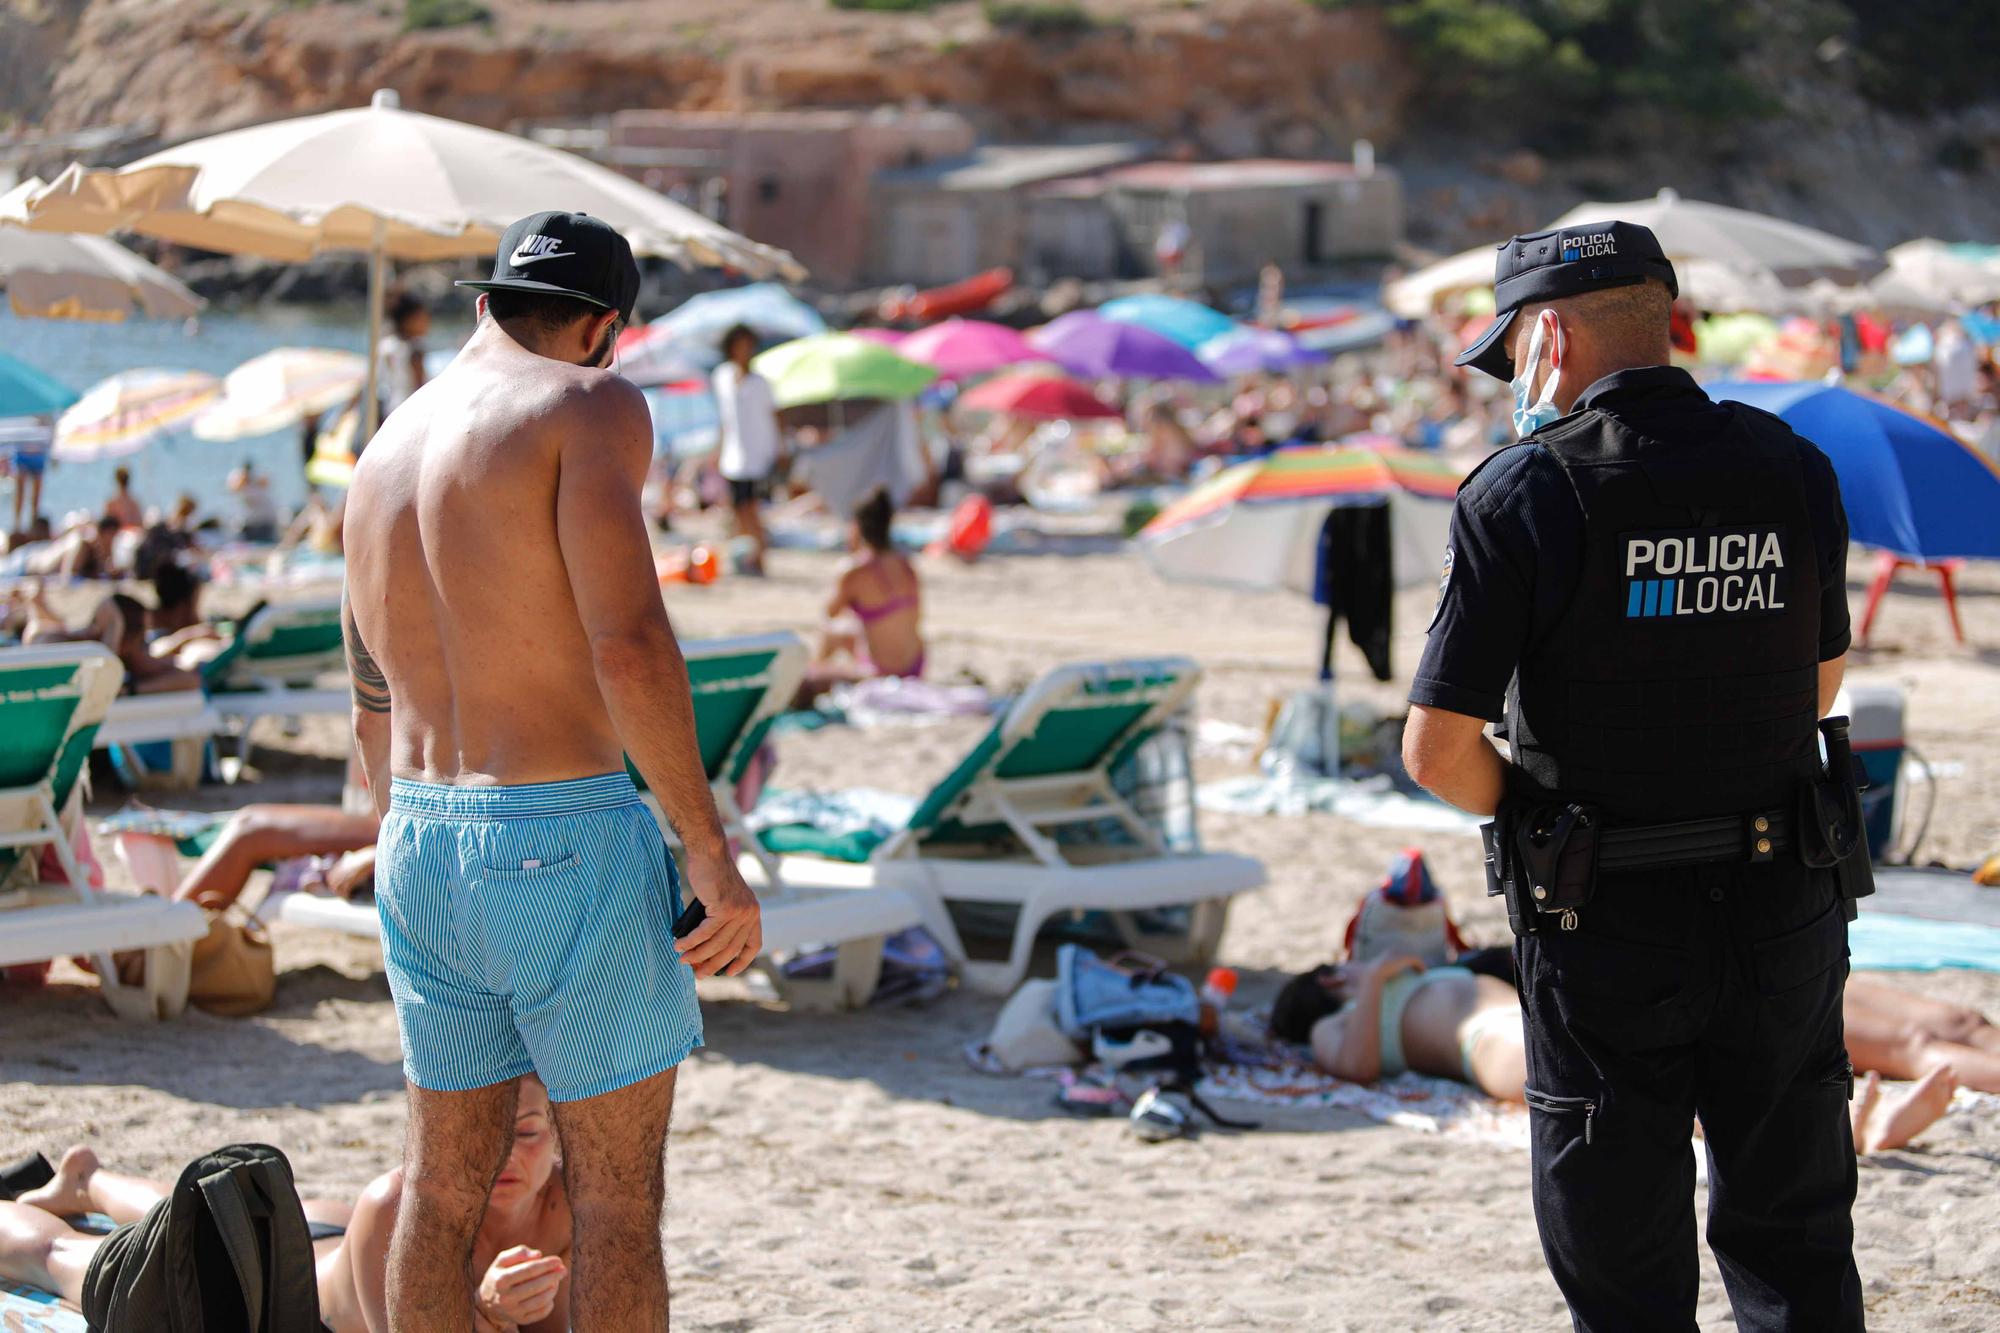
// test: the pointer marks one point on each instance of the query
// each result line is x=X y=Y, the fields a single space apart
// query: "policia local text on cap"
x=1649 y=591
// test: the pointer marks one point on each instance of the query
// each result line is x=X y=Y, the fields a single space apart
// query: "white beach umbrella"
x=281 y=388
x=51 y=276
x=390 y=183
x=1943 y=273
x=1745 y=257
x=1726 y=289
x=1752 y=242
x=1418 y=294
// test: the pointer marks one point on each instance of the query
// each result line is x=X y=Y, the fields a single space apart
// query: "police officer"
x=1650 y=590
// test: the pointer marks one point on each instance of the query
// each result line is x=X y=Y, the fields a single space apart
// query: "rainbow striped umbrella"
x=124 y=413
x=1256 y=525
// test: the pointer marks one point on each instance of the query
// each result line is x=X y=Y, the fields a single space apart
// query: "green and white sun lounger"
x=273 y=668
x=985 y=835
x=53 y=698
x=739 y=687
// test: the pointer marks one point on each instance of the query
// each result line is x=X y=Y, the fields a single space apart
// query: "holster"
x=1831 y=833
x=1541 y=856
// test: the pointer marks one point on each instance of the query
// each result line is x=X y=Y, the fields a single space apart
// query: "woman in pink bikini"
x=875 y=619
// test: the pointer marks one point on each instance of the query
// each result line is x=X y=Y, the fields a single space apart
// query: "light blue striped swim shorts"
x=531 y=928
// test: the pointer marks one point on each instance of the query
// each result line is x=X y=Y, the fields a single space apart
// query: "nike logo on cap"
x=534 y=249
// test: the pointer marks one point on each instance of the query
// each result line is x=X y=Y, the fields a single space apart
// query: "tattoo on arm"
x=371 y=687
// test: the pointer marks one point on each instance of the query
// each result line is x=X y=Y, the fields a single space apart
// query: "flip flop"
x=29 y=1173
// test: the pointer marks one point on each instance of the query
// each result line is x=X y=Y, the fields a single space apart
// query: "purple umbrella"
x=1246 y=351
x=1090 y=345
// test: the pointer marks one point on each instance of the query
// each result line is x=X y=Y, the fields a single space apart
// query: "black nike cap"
x=1549 y=265
x=565 y=254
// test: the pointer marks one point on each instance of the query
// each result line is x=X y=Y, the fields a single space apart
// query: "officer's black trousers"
x=1711 y=991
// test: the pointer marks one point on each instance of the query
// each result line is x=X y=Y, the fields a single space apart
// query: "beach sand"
x=851 y=1171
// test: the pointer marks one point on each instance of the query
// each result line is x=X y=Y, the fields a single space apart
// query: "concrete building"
x=944 y=221
x=1241 y=215
x=801 y=180
x=1095 y=211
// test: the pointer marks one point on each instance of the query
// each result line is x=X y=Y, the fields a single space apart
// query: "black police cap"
x=1563 y=261
x=566 y=254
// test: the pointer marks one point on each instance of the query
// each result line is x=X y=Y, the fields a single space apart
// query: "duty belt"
x=1744 y=839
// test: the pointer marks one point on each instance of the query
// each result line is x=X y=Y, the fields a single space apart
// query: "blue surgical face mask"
x=1529 y=418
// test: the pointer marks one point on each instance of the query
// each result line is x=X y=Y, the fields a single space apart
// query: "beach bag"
x=1092 y=993
x=232 y=972
x=1404 y=917
x=1305 y=738
x=226 y=1252
x=1026 y=1034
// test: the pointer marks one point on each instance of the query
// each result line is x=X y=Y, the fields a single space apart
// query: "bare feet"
x=1892 y=1124
x=1862 y=1109
x=68 y=1195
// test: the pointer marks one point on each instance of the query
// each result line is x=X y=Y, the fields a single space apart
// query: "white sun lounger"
x=983 y=835
x=53 y=698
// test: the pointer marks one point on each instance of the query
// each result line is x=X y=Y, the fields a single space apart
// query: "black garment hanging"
x=1356 y=580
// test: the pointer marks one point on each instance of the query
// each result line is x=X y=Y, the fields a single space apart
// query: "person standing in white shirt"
x=749 y=421
x=399 y=356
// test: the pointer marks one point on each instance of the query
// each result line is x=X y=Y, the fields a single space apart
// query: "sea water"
x=80 y=354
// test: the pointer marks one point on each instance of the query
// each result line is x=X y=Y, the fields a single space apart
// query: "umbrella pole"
x=371 y=404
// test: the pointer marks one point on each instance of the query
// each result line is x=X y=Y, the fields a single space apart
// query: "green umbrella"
x=27 y=392
x=828 y=366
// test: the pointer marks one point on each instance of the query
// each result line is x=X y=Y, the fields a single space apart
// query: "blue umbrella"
x=27 y=392
x=1909 y=484
x=772 y=312
x=1188 y=323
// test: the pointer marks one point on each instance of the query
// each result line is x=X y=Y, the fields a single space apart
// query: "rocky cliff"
x=1223 y=77
x=1234 y=77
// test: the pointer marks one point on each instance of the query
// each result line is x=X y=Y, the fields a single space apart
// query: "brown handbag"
x=233 y=973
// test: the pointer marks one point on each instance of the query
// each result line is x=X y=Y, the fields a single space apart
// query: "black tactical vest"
x=1683 y=679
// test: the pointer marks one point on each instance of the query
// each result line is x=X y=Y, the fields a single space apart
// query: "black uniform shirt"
x=1517 y=541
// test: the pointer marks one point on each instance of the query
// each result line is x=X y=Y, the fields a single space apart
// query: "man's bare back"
x=456 y=573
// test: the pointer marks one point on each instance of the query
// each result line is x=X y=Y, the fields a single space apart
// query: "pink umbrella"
x=960 y=347
x=1051 y=396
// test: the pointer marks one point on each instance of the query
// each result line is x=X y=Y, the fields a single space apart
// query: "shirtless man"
x=521 y=1252
x=507 y=644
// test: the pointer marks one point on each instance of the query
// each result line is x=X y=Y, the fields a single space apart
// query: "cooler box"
x=1876 y=730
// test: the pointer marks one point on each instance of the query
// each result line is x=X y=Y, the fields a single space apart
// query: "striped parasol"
x=1256 y=525
x=124 y=413
x=1312 y=473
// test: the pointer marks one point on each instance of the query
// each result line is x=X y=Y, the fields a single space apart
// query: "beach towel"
x=1935 y=895
x=1889 y=942
x=25 y=1309
x=861 y=816
x=901 y=701
x=1374 y=801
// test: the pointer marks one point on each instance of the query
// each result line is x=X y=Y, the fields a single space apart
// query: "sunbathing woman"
x=522 y=1252
x=261 y=834
x=1369 y=1020
x=875 y=619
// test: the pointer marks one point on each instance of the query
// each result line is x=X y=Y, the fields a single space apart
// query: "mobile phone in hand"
x=690 y=919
